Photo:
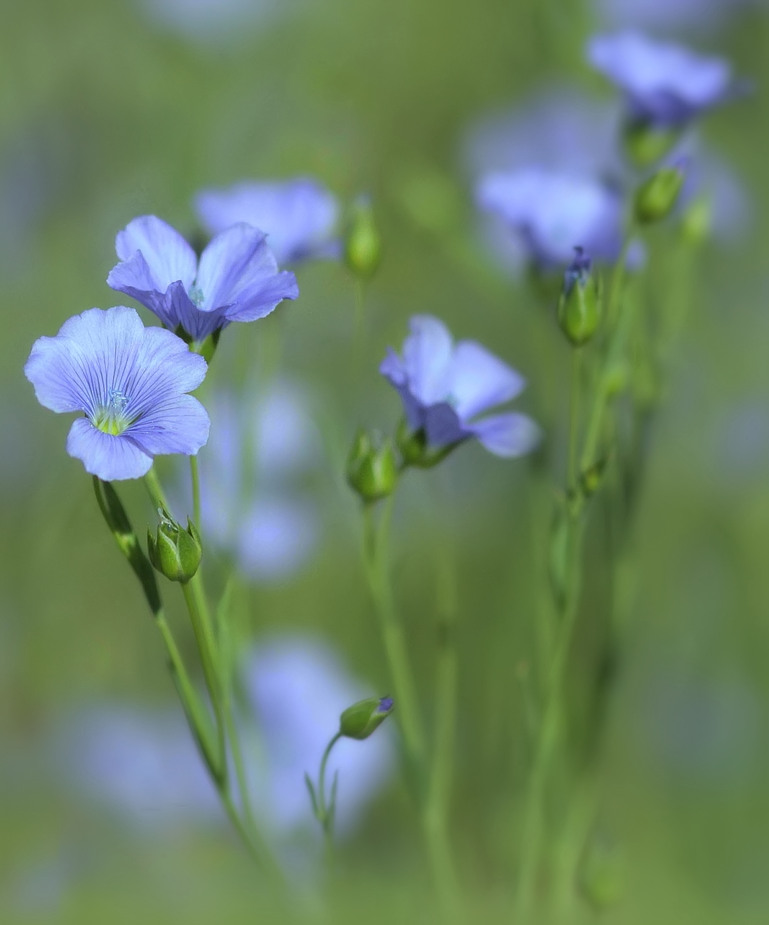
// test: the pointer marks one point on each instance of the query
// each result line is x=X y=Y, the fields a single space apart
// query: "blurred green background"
x=109 y=111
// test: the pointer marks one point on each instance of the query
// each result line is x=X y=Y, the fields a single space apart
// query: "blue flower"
x=553 y=212
x=665 y=84
x=236 y=279
x=130 y=382
x=298 y=215
x=445 y=386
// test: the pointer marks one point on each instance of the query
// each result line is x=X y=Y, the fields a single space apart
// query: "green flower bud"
x=579 y=306
x=697 y=220
x=173 y=551
x=362 y=243
x=601 y=873
x=646 y=144
x=656 y=197
x=363 y=717
x=371 y=468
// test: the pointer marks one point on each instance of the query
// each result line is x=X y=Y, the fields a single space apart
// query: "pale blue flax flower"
x=236 y=278
x=552 y=212
x=130 y=382
x=445 y=386
x=665 y=84
x=299 y=216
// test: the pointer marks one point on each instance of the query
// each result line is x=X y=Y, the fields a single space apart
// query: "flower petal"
x=506 y=434
x=167 y=256
x=479 y=380
x=177 y=425
x=297 y=215
x=443 y=426
x=72 y=370
x=109 y=457
x=426 y=357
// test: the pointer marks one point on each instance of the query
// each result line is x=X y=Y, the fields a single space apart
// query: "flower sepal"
x=174 y=551
x=372 y=471
x=415 y=449
x=364 y=717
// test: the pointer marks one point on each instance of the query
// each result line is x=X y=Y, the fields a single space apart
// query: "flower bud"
x=579 y=306
x=363 y=717
x=362 y=243
x=696 y=220
x=371 y=468
x=601 y=873
x=656 y=197
x=173 y=551
x=647 y=144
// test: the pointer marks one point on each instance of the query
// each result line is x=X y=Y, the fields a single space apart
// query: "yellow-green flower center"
x=111 y=417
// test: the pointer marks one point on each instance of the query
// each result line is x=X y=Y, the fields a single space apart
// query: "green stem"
x=376 y=566
x=195 y=474
x=323 y=806
x=439 y=781
x=546 y=742
x=429 y=799
x=574 y=412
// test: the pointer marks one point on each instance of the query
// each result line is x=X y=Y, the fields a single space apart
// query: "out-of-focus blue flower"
x=445 y=386
x=253 y=504
x=129 y=381
x=298 y=689
x=299 y=216
x=555 y=212
x=236 y=278
x=665 y=84
x=144 y=765
x=549 y=178
x=218 y=22
x=688 y=15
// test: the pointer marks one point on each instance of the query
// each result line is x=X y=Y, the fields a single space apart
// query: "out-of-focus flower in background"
x=547 y=175
x=665 y=84
x=298 y=689
x=142 y=765
x=254 y=505
x=217 y=23
x=552 y=213
x=299 y=216
x=236 y=279
x=445 y=386
x=669 y=15
x=130 y=382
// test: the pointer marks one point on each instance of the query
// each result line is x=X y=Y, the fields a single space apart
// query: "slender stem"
x=375 y=560
x=207 y=650
x=155 y=490
x=195 y=474
x=545 y=745
x=430 y=810
x=439 y=781
x=574 y=413
x=323 y=805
